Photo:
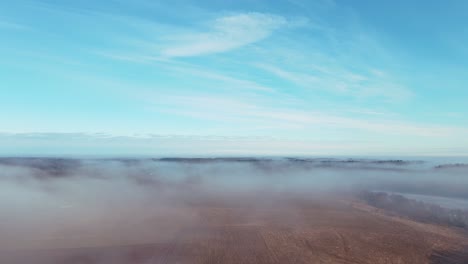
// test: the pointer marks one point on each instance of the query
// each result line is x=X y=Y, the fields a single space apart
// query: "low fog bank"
x=241 y=174
x=69 y=203
x=416 y=209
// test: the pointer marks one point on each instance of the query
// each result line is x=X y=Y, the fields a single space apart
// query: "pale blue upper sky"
x=233 y=77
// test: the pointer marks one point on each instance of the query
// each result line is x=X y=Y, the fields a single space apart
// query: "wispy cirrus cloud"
x=247 y=112
x=369 y=84
x=328 y=65
x=5 y=24
x=224 y=34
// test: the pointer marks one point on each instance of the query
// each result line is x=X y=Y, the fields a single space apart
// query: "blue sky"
x=243 y=77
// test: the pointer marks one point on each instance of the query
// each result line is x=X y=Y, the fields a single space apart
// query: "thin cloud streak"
x=150 y=145
x=229 y=109
x=226 y=33
x=8 y=25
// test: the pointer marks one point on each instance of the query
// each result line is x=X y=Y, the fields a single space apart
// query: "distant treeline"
x=417 y=210
x=452 y=166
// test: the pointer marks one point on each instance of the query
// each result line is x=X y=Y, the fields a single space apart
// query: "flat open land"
x=290 y=230
x=229 y=211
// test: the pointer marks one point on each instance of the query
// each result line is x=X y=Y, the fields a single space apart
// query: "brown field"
x=229 y=211
x=285 y=229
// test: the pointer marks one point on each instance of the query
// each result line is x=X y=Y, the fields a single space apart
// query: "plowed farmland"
x=287 y=230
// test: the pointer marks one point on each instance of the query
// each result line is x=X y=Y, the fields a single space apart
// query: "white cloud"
x=338 y=79
x=249 y=113
x=11 y=25
x=295 y=77
x=225 y=33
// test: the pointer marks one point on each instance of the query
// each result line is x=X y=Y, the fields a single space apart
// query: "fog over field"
x=50 y=203
x=233 y=132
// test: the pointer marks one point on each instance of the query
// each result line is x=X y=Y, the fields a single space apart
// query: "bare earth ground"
x=287 y=230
